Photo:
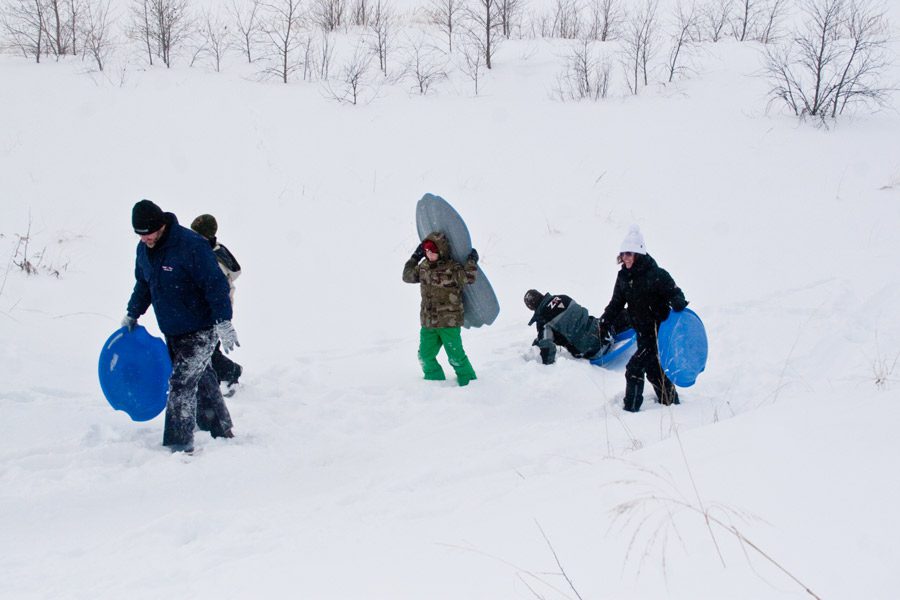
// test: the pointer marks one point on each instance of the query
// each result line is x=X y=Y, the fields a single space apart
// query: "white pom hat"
x=634 y=241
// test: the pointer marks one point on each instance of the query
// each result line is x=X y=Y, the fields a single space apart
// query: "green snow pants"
x=430 y=342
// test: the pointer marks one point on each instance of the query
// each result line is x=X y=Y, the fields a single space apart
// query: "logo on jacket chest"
x=168 y=268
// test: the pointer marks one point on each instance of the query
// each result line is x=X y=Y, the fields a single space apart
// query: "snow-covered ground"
x=350 y=476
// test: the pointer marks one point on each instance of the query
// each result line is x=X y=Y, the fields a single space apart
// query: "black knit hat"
x=533 y=299
x=147 y=217
x=206 y=226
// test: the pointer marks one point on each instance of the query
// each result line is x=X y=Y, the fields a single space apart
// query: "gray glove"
x=228 y=336
x=129 y=322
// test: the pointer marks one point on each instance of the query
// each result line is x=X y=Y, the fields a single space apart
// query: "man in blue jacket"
x=176 y=271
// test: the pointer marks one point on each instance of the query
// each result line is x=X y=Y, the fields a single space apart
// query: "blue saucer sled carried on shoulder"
x=683 y=347
x=134 y=370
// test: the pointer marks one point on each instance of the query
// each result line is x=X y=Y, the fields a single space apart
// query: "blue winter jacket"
x=181 y=278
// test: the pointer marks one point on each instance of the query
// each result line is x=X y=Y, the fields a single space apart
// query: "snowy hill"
x=350 y=477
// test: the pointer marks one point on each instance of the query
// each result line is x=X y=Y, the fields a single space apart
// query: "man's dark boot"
x=634 y=394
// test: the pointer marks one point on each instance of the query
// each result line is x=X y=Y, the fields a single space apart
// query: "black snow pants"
x=194 y=396
x=646 y=362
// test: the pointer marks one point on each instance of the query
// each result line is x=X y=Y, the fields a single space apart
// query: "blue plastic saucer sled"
x=134 y=373
x=683 y=347
x=623 y=347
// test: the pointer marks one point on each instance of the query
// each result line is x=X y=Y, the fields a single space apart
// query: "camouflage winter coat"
x=441 y=283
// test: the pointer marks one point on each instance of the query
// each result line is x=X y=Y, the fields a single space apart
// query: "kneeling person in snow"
x=649 y=293
x=226 y=369
x=441 y=280
x=176 y=272
x=561 y=321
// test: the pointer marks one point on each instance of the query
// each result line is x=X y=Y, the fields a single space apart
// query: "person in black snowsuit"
x=226 y=369
x=176 y=272
x=561 y=321
x=648 y=293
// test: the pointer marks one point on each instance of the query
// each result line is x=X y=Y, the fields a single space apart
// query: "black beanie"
x=533 y=299
x=206 y=226
x=147 y=217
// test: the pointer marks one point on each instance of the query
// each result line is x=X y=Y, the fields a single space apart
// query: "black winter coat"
x=647 y=292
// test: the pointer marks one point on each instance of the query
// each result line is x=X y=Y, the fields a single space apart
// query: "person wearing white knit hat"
x=634 y=242
x=648 y=293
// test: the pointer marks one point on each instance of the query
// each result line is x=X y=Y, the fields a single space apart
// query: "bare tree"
x=837 y=57
x=281 y=27
x=171 y=25
x=540 y=25
x=639 y=45
x=473 y=57
x=445 y=14
x=96 y=32
x=57 y=28
x=607 y=17
x=246 y=18
x=649 y=45
x=161 y=26
x=715 y=16
x=484 y=21
x=328 y=14
x=215 y=38
x=382 y=26
x=76 y=10
x=864 y=56
x=353 y=78
x=745 y=19
x=685 y=23
x=325 y=55
x=566 y=20
x=360 y=13
x=141 y=28
x=24 y=23
x=423 y=64
x=585 y=76
x=508 y=12
x=770 y=21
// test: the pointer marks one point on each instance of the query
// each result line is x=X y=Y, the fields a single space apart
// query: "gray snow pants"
x=194 y=396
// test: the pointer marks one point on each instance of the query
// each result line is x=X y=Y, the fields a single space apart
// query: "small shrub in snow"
x=836 y=58
x=30 y=262
x=424 y=65
x=585 y=75
x=354 y=79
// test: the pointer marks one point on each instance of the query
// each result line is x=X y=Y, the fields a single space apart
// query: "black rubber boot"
x=634 y=394
x=666 y=394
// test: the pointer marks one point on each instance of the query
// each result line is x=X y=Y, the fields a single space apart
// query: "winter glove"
x=605 y=335
x=228 y=335
x=679 y=304
x=473 y=255
x=129 y=322
x=418 y=254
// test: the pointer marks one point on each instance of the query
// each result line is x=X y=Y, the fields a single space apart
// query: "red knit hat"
x=430 y=246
